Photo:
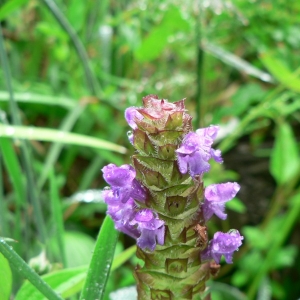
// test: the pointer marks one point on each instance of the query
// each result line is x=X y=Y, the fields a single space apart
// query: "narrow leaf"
x=52 y=135
x=285 y=159
x=65 y=282
x=6 y=278
x=101 y=262
x=57 y=216
x=28 y=97
x=235 y=61
x=281 y=72
x=23 y=269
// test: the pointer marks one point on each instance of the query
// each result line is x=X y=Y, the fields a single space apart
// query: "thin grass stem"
x=22 y=268
x=92 y=82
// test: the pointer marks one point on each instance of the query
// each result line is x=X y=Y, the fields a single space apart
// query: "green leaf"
x=236 y=205
x=235 y=61
x=123 y=257
x=9 y=7
x=256 y=237
x=225 y=291
x=154 y=44
x=23 y=269
x=285 y=159
x=52 y=135
x=6 y=278
x=240 y=278
x=65 y=282
x=280 y=71
x=57 y=216
x=101 y=261
x=77 y=248
x=285 y=257
x=29 y=97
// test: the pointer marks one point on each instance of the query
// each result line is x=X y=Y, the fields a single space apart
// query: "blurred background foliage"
x=75 y=66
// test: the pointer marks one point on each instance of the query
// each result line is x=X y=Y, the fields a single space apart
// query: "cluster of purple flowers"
x=127 y=193
x=140 y=224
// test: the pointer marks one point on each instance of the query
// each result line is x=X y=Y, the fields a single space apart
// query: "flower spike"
x=161 y=202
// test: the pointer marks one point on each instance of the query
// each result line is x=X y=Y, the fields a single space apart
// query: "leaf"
x=226 y=291
x=78 y=248
x=236 y=205
x=52 y=135
x=285 y=257
x=264 y=291
x=28 y=97
x=235 y=61
x=6 y=278
x=9 y=7
x=256 y=237
x=285 y=159
x=280 y=71
x=22 y=268
x=123 y=257
x=100 y=264
x=65 y=282
x=153 y=45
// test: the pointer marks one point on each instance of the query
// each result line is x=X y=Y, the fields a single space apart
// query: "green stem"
x=199 y=68
x=59 y=16
x=22 y=268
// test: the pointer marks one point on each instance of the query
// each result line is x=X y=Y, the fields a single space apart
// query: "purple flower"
x=152 y=229
x=123 y=184
x=122 y=214
x=131 y=115
x=195 y=151
x=216 y=195
x=222 y=244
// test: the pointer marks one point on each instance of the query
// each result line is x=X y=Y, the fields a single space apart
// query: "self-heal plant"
x=161 y=201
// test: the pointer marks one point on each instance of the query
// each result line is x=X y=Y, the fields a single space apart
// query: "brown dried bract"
x=214 y=268
x=202 y=236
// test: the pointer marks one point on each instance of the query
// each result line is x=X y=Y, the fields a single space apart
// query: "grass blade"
x=100 y=265
x=59 y=16
x=17 y=179
x=3 y=207
x=57 y=217
x=123 y=257
x=22 y=268
x=6 y=278
x=65 y=102
x=236 y=62
x=58 y=136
